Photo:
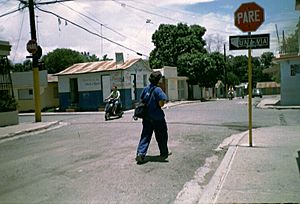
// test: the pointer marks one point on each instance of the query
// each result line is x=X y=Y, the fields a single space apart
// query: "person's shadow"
x=156 y=158
x=298 y=161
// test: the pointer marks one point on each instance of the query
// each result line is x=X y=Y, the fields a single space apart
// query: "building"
x=23 y=90
x=290 y=79
x=84 y=86
x=268 y=88
x=175 y=87
x=8 y=105
x=220 y=89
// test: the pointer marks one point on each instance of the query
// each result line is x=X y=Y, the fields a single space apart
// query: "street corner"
x=9 y=132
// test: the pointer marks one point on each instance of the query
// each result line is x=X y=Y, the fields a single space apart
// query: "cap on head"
x=155 y=77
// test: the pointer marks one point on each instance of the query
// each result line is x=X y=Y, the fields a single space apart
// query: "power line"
x=96 y=34
x=102 y=25
x=145 y=11
x=19 y=38
x=10 y=12
x=92 y=19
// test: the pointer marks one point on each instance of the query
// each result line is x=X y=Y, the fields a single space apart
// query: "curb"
x=212 y=190
x=29 y=130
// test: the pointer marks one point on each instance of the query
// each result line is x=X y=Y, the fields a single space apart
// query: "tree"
x=237 y=69
x=266 y=59
x=23 y=67
x=171 y=41
x=61 y=58
x=290 y=44
x=181 y=46
x=203 y=69
x=214 y=42
x=90 y=58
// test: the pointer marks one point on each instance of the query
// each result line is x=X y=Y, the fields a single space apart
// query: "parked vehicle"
x=256 y=93
x=112 y=109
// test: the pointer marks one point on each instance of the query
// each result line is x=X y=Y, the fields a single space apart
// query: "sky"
x=127 y=26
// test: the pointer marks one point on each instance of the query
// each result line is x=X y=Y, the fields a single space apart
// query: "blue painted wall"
x=64 y=102
x=92 y=100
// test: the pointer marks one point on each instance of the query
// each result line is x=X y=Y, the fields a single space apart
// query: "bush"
x=7 y=103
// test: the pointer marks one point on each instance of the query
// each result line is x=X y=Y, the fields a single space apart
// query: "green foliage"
x=266 y=59
x=171 y=41
x=290 y=45
x=7 y=103
x=89 y=58
x=23 y=67
x=237 y=68
x=60 y=59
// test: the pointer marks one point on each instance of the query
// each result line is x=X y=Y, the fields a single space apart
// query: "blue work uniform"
x=154 y=121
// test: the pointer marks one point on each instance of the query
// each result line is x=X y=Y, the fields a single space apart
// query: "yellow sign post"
x=248 y=17
x=250 y=95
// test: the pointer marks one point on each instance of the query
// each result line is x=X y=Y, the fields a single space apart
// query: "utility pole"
x=35 y=69
x=225 y=71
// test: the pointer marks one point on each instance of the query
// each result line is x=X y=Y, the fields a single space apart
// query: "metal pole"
x=35 y=69
x=250 y=94
x=225 y=71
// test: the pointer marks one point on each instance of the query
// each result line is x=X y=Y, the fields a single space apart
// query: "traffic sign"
x=249 y=16
x=32 y=46
x=243 y=42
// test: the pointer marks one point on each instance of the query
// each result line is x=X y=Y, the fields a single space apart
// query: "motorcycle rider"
x=230 y=92
x=115 y=95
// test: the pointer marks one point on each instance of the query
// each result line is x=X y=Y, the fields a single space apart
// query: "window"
x=295 y=69
x=25 y=94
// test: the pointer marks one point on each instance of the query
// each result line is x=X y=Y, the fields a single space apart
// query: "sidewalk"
x=23 y=128
x=268 y=172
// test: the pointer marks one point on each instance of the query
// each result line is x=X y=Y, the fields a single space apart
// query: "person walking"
x=154 y=120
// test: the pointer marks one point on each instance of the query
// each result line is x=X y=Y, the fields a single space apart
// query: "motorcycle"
x=230 y=95
x=109 y=109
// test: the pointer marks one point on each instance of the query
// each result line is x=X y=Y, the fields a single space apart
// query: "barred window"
x=25 y=94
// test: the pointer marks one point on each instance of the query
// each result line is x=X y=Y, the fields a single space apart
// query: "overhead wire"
x=102 y=24
x=11 y=12
x=19 y=38
x=94 y=20
x=93 y=33
x=145 y=11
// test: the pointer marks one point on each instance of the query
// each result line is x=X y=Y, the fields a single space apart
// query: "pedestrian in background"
x=154 y=120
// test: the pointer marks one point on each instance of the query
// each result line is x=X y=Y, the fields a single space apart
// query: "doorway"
x=133 y=86
x=74 y=96
x=106 y=86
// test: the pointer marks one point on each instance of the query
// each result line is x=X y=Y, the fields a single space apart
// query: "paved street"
x=90 y=160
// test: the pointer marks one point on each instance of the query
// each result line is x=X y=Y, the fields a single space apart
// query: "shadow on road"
x=157 y=158
x=298 y=161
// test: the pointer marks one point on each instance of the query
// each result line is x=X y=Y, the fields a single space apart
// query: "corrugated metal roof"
x=101 y=66
x=52 y=78
x=262 y=85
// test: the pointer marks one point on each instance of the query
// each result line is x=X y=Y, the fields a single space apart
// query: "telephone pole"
x=225 y=71
x=35 y=69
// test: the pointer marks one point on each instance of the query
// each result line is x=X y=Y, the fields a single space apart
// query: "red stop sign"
x=249 y=16
x=31 y=46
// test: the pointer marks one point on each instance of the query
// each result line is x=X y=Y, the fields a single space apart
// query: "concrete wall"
x=290 y=82
x=23 y=82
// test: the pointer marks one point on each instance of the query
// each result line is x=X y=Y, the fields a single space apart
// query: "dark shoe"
x=165 y=156
x=140 y=159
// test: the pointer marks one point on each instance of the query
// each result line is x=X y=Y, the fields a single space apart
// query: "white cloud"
x=132 y=25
